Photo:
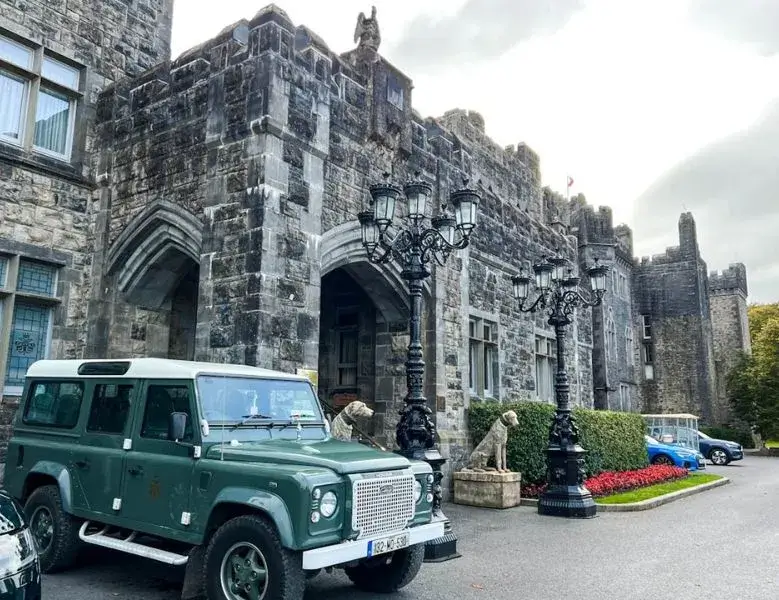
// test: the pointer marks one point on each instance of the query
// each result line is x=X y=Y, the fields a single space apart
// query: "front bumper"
x=24 y=585
x=736 y=454
x=337 y=554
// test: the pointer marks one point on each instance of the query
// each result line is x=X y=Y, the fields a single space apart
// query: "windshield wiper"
x=245 y=419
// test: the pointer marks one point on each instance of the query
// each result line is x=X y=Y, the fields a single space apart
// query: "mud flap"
x=193 y=576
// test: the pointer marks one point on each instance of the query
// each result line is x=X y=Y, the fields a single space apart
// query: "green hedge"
x=614 y=441
x=732 y=434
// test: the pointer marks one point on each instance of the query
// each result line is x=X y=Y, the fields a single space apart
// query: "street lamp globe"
x=559 y=264
x=417 y=193
x=597 y=274
x=445 y=226
x=521 y=284
x=543 y=272
x=466 y=204
x=370 y=232
x=384 y=197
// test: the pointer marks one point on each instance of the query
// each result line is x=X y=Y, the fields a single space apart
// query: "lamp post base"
x=566 y=495
x=443 y=548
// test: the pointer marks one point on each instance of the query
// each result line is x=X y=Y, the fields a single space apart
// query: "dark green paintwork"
x=158 y=480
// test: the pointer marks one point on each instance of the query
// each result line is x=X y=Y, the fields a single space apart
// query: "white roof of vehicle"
x=155 y=368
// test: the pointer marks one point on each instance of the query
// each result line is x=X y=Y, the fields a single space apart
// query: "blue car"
x=670 y=454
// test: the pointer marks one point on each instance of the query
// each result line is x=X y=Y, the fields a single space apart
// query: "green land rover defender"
x=227 y=469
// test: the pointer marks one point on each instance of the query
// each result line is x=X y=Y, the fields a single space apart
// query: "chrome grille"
x=382 y=504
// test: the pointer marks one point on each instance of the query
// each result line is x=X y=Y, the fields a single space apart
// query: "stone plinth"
x=488 y=489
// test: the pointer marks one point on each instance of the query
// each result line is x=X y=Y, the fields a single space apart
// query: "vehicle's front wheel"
x=387 y=574
x=55 y=532
x=719 y=457
x=246 y=561
x=662 y=459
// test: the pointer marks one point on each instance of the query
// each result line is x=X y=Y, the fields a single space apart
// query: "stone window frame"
x=630 y=356
x=34 y=81
x=611 y=335
x=483 y=348
x=646 y=327
x=545 y=350
x=11 y=297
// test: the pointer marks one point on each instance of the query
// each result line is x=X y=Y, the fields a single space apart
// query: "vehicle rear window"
x=54 y=404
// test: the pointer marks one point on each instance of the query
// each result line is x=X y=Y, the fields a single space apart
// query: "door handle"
x=135 y=471
x=82 y=464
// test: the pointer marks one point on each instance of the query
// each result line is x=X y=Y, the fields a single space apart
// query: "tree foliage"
x=753 y=384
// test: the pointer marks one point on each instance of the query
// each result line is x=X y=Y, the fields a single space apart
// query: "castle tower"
x=730 y=327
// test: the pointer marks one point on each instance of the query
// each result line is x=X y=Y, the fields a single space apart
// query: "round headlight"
x=417 y=490
x=328 y=504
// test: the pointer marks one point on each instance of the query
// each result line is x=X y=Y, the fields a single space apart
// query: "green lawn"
x=652 y=491
x=772 y=444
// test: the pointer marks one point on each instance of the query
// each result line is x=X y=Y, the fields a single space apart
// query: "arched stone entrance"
x=153 y=273
x=364 y=315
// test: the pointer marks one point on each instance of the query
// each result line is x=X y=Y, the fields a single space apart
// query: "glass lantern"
x=543 y=272
x=417 y=193
x=560 y=265
x=465 y=203
x=445 y=226
x=521 y=284
x=370 y=232
x=385 y=196
x=597 y=274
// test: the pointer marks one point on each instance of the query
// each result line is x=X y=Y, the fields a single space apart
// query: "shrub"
x=614 y=441
x=611 y=482
x=733 y=434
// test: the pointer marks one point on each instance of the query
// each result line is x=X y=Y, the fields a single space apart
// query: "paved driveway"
x=721 y=544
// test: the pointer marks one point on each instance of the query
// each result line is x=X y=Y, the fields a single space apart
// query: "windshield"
x=233 y=400
x=703 y=436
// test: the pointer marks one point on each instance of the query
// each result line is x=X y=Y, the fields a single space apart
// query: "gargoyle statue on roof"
x=367 y=31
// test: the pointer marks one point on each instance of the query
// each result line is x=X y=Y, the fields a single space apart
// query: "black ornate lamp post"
x=559 y=294
x=413 y=246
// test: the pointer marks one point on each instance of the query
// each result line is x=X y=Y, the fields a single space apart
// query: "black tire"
x=663 y=459
x=719 y=457
x=387 y=574
x=62 y=549
x=284 y=568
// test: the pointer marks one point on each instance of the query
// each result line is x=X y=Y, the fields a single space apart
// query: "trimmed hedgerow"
x=614 y=441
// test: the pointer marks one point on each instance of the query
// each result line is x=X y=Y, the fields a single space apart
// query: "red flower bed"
x=611 y=482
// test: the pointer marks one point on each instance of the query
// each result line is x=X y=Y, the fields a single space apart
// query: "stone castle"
x=206 y=208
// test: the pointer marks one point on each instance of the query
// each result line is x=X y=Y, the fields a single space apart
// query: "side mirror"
x=177 y=426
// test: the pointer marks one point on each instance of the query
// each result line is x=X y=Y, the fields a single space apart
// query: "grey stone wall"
x=614 y=355
x=672 y=289
x=48 y=207
x=730 y=327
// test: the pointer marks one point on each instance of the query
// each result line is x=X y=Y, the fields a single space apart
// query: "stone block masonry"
x=210 y=212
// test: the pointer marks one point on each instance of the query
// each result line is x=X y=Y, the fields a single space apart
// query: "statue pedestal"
x=487 y=489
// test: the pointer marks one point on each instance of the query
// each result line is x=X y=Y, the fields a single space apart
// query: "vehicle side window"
x=161 y=400
x=54 y=404
x=110 y=408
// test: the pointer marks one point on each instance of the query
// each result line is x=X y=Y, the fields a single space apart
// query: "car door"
x=98 y=459
x=158 y=470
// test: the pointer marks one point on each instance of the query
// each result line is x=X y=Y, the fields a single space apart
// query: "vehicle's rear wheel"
x=246 y=561
x=55 y=532
x=662 y=459
x=719 y=457
x=387 y=574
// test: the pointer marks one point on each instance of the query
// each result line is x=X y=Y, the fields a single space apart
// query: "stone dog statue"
x=493 y=445
x=342 y=424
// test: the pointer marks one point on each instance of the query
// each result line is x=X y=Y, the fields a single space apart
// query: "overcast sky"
x=652 y=106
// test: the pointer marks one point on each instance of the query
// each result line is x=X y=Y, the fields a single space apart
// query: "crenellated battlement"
x=732 y=280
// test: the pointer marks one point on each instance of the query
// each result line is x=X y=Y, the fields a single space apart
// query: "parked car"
x=719 y=452
x=20 y=574
x=228 y=469
x=670 y=454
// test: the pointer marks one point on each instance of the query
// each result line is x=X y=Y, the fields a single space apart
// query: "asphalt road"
x=723 y=543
